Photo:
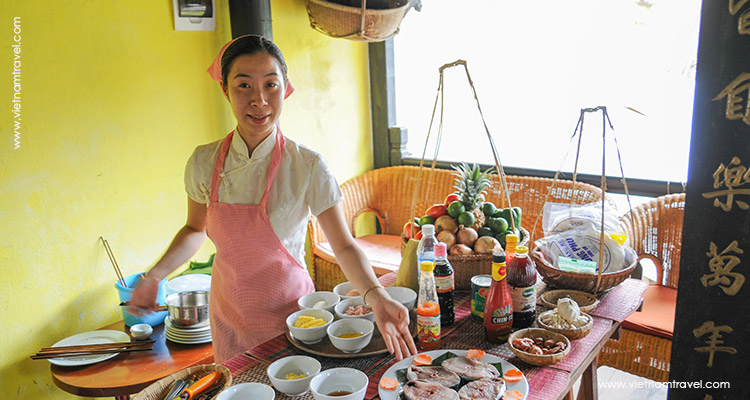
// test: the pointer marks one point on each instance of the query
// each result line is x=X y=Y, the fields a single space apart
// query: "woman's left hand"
x=393 y=322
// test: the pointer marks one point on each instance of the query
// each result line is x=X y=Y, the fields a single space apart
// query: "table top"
x=128 y=373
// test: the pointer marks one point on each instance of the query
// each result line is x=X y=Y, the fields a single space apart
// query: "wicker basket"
x=534 y=359
x=586 y=301
x=160 y=388
x=572 y=334
x=356 y=23
x=590 y=283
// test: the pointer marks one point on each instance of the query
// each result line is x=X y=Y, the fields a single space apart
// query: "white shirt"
x=303 y=184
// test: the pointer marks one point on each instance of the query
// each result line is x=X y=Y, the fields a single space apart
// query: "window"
x=535 y=65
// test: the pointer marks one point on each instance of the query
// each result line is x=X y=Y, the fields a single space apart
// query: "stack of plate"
x=179 y=334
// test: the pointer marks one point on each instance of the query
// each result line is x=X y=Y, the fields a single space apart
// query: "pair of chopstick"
x=113 y=261
x=92 y=349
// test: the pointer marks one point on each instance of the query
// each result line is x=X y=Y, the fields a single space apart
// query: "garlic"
x=581 y=321
x=568 y=309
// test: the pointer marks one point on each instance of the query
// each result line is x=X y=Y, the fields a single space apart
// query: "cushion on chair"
x=657 y=314
x=383 y=251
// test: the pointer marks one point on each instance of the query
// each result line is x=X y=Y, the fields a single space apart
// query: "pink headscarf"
x=214 y=70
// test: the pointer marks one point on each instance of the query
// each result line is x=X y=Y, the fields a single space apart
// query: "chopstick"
x=83 y=353
x=99 y=346
x=91 y=349
x=113 y=261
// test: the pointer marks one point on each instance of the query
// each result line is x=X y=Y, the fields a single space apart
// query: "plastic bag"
x=560 y=217
x=582 y=243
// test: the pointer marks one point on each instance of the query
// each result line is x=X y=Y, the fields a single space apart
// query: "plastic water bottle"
x=426 y=248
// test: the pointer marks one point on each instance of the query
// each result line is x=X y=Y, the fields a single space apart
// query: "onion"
x=461 y=250
x=467 y=236
x=487 y=245
x=446 y=223
x=448 y=238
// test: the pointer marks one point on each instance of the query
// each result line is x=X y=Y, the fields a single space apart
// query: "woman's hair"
x=250 y=45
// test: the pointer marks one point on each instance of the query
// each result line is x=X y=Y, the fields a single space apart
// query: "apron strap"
x=278 y=151
x=213 y=195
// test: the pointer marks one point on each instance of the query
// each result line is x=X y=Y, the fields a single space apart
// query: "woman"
x=252 y=194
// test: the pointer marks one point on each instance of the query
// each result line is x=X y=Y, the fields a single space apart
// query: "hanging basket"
x=356 y=23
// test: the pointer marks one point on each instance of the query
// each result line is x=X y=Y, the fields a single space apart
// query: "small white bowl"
x=353 y=302
x=141 y=331
x=339 y=380
x=300 y=365
x=343 y=288
x=309 y=300
x=351 y=325
x=250 y=390
x=403 y=295
x=309 y=335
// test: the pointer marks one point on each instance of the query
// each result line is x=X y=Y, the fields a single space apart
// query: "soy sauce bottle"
x=521 y=280
x=445 y=284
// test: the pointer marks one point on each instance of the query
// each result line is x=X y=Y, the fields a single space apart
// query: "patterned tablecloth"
x=544 y=382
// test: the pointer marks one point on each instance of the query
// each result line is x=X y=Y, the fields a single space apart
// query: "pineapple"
x=471 y=183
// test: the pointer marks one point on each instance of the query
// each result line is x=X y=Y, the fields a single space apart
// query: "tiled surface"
x=618 y=385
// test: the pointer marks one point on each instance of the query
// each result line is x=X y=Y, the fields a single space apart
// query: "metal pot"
x=188 y=309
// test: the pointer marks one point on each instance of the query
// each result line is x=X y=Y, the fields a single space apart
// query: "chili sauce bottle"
x=498 y=309
x=521 y=280
x=428 y=309
x=445 y=284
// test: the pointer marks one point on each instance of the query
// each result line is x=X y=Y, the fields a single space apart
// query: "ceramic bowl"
x=251 y=390
x=141 y=331
x=310 y=300
x=351 y=325
x=353 y=302
x=403 y=295
x=299 y=365
x=309 y=335
x=343 y=288
x=329 y=384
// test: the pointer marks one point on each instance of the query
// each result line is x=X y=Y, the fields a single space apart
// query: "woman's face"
x=255 y=90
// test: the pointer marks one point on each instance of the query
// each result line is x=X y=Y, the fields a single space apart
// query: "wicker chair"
x=645 y=344
x=388 y=193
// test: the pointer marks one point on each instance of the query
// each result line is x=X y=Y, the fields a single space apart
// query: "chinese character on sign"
x=732 y=92
x=732 y=177
x=743 y=23
x=721 y=269
x=713 y=340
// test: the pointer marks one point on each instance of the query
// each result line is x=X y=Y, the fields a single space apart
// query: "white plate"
x=185 y=337
x=522 y=385
x=176 y=328
x=93 y=337
x=189 y=341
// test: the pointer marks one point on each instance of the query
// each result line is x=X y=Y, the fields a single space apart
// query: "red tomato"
x=436 y=211
x=418 y=236
x=450 y=199
x=407 y=231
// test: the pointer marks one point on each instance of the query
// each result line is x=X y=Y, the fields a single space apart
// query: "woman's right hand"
x=143 y=300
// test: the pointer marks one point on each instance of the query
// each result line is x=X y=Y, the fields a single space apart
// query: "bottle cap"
x=428 y=229
x=522 y=250
x=427 y=266
x=498 y=257
x=441 y=250
x=511 y=238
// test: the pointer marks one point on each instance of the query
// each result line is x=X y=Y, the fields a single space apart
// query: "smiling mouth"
x=259 y=117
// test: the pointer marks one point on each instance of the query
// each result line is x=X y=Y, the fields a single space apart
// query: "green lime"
x=485 y=231
x=426 y=220
x=498 y=224
x=488 y=209
x=466 y=218
x=455 y=209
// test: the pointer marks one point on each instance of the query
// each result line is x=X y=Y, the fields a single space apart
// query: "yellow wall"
x=113 y=102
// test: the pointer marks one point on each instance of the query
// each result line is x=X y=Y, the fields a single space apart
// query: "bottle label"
x=498 y=271
x=428 y=329
x=501 y=315
x=524 y=298
x=445 y=284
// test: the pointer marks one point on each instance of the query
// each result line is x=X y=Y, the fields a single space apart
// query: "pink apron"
x=255 y=281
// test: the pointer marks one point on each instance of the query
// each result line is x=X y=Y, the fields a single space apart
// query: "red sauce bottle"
x=498 y=309
x=521 y=280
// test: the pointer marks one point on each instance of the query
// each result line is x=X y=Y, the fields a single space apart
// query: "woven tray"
x=160 y=388
x=584 y=282
x=534 y=359
x=356 y=23
x=572 y=334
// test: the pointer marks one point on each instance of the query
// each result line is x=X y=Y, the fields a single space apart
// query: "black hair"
x=250 y=45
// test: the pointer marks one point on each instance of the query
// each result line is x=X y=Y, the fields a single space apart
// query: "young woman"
x=252 y=194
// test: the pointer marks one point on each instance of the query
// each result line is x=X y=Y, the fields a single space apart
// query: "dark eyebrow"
x=241 y=75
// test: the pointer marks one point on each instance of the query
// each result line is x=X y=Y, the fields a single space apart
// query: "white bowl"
x=251 y=390
x=300 y=365
x=309 y=300
x=343 y=288
x=309 y=335
x=141 y=331
x=337 y=380
x=353 y=302
x=351 y=325
x=403 y=295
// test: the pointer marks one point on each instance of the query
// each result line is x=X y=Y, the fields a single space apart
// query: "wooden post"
x=711 y=343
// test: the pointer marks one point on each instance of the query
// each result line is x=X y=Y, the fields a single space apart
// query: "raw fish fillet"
x=438 y=375
x=470 y=369
x=419 y=390
x=483 y=389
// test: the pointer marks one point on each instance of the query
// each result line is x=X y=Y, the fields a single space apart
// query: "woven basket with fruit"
x=471 y=228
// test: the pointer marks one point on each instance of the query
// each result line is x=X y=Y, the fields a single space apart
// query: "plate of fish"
x=453 y=375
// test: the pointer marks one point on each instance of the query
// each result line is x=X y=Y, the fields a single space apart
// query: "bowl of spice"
x=291 y=375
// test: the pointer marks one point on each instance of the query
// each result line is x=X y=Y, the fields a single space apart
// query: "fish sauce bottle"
x=498 y=309
x=428 y=309
x=521 y=280
x=426 y=248
x=445 y=284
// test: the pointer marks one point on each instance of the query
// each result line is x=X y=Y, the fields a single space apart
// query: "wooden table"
x=128 y=373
